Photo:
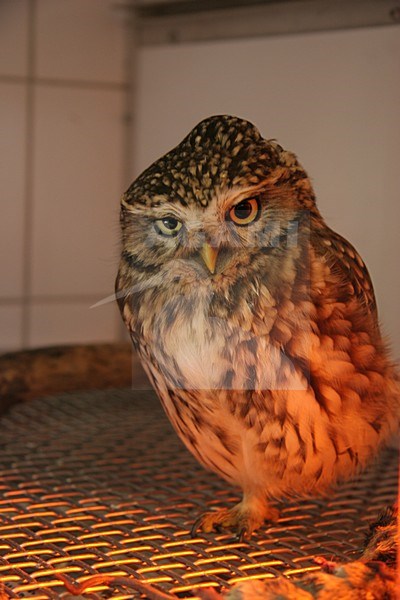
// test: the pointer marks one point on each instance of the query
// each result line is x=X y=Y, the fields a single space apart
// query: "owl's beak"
x=209 y=255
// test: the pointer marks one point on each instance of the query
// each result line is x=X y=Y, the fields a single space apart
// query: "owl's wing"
x=345 y=262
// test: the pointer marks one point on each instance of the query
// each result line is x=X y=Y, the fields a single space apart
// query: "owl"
x=255 y=322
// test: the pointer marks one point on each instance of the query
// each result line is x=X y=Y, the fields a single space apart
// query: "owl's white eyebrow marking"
x=238 y=194
x=168 y=209
x=228 y=198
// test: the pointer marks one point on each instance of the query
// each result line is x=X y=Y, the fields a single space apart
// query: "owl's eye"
x=168 y=226
x=244 y=212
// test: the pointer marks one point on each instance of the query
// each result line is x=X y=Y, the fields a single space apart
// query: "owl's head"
x=212 y=206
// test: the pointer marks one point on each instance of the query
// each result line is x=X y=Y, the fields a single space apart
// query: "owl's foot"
x=244 y=518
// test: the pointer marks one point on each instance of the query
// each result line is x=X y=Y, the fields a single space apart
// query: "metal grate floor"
x=98 y=482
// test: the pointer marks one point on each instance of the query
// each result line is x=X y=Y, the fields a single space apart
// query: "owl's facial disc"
x=241 y=214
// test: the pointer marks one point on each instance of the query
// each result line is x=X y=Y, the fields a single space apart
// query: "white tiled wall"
x=71 y=322
x=81 y=40
x=14 y=26
x=62 y=169
x=77 y=182
x=13 y=99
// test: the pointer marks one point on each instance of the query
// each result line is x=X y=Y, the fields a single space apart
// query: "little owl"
x=254 y=321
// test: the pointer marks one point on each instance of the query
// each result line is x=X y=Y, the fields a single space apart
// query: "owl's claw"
x=217 y=521
x=240 y=518
x=243 y=535
x=196 y=525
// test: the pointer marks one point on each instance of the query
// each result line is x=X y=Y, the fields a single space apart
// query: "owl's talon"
x=196 y=526
x=243 y=535
x=244 y=518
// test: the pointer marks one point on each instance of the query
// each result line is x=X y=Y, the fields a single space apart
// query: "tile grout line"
x=56 y=299
x=28 y=194
x=69 y=83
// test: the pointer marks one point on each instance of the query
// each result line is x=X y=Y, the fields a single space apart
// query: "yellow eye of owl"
x=168 y=226
x=244 y=212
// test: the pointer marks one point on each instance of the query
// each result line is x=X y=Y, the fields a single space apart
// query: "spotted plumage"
x=255 y=322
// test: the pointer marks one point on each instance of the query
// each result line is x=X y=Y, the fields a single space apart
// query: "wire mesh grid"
x=98 y=482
